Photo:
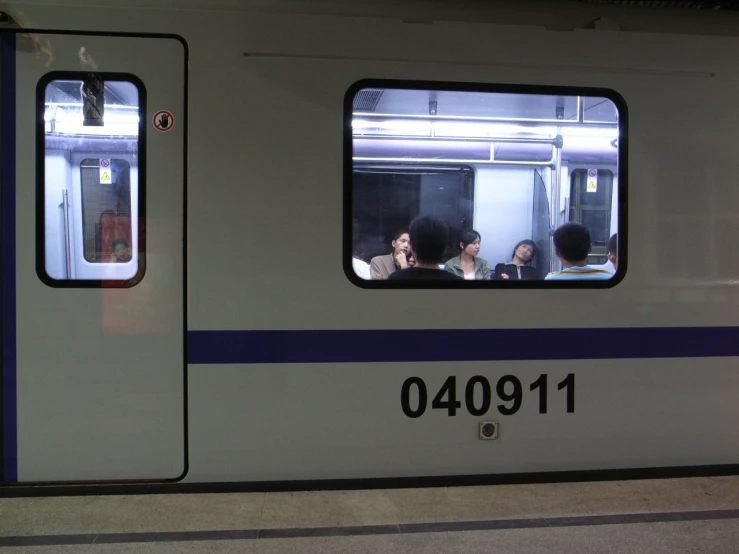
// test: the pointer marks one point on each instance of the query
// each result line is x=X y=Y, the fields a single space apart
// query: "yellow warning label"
x=105 y=177
x=592 y=186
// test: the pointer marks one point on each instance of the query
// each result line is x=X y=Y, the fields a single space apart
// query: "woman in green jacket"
x=467 y=265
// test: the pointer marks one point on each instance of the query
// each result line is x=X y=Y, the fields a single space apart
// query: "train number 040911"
x=508 y=389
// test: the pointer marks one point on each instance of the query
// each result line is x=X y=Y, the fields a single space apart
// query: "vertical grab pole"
x=552 y=212
x=554 y=262
x=67 y=241
x=556 y=187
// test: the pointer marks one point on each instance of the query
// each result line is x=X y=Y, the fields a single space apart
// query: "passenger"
x=382 y=266
x=362 y=269
x=467 y=265
x=359 y=245
x=360 y=266
x=360 y=252
x=613 y=251
x=516 y=269
x=572 y=246
x=121 y=252
x=428 y=238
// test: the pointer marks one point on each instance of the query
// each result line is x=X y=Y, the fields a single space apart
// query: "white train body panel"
x=316 y=395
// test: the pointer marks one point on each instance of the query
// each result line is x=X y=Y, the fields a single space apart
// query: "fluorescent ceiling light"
x=392 y=127
x=455 y=129
x=441 y=129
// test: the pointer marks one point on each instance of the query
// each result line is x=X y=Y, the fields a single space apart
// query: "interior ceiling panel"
x=475 y=104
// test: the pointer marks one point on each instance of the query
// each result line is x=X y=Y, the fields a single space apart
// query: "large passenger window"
x=501 y=186
x=90 y=188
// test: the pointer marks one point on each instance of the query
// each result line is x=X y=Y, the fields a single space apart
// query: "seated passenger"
x=121 y=252
x=359 y=263
x=516 y=269
x=360 y=251
x=428 y=238
x=467 y=265
x=613 y=251
x=382 y=266
x=361 y=268
x=612 y=261
x=572 y=246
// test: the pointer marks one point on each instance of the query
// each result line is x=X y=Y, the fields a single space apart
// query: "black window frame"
x=456 y=86
x=44 y=81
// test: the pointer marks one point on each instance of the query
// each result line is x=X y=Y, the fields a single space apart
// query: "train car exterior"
x=182 y=194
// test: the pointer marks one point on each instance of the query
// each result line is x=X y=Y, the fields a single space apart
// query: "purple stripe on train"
x=456 y=345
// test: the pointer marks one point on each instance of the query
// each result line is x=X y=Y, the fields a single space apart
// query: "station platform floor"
x=690 y=515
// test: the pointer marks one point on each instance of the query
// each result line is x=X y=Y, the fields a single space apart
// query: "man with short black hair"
x=572 y=246
x=429 y=237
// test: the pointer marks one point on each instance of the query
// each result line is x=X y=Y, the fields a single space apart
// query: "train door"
x=590 y=204
x=93 y=152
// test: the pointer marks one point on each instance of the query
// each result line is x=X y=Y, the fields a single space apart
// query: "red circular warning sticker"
x=163 y=120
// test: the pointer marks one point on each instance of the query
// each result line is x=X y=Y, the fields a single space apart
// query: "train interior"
x=495 y=162
x=91 y=179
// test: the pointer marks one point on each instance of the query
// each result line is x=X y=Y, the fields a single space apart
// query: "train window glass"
x=90 y=191
x=489 y=159
x=599 y=110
